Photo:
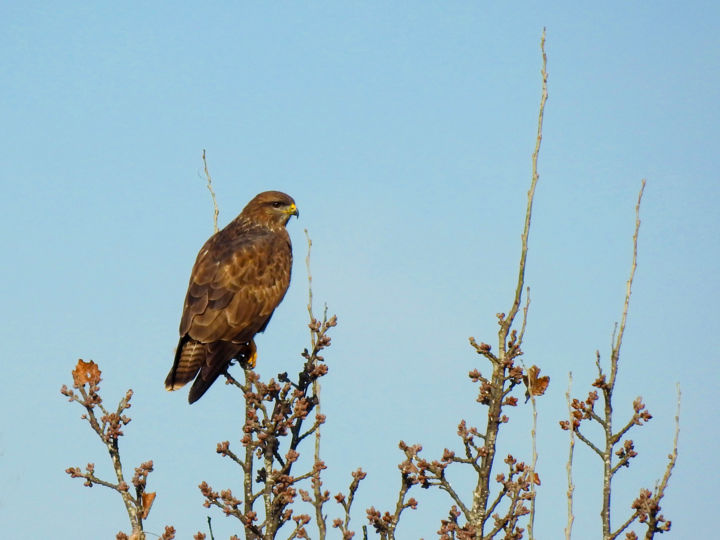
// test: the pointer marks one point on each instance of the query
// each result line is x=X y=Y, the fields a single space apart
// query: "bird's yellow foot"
x=252 y=356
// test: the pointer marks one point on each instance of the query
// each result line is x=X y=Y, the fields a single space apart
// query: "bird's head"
x=271 y=208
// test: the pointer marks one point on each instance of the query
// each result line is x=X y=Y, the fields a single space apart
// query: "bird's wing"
x=235 y=285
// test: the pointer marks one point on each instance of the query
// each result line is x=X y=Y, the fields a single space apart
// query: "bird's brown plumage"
x=240 y=276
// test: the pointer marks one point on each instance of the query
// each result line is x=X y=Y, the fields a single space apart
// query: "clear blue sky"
x=404 y=132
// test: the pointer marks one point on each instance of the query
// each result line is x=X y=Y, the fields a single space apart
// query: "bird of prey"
x=240 y=276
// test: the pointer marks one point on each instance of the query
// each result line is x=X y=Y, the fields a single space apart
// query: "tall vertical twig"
x=485 y=518
x=649 y=509
x=502 y=362
x=609 y=386
x=507 y=323
x=568 y=467
x=615 y=356
x=533 y=430
x=319 y=497
x=646 y=507
x=533 y=437
x=208 y=178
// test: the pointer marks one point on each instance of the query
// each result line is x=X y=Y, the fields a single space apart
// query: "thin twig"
x=317 y=492
x=500 y=365
x=533 y=430
x=620 y=434
x=531 y=192
x=629 y=521
x=216 y=210
x=589 y=443
x=521 y=336
x=621 y=330
x=607 y=389
x=212 y=537
x=347 y=503
x=571 y=486
x=673 y=455
x=310 y=293
x=672 y=459
x=249 y=499
x=533 y=437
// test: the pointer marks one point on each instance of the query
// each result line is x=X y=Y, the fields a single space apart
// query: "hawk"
x=240 y=276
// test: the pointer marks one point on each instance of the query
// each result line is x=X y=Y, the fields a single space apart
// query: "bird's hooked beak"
x=292 y=211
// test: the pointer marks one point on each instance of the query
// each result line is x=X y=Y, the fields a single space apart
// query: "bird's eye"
x=277 y=204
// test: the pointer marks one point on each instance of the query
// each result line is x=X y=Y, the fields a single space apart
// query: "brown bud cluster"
x=382 y=523
x=141 y=474
x=626 y=453
x=642 y=415
x=647 y=507
x=581 y=410
x=450 y=529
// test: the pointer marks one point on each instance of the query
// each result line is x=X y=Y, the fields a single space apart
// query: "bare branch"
x=493 y=392
x=621 y=329
x=208 y=178
x=646 y=507
x=109 y=428
x=672 y=457
x=589 y=443
x=533 y=438
x=346 y=503
x=656 y=522
x=619 y=435
x=525 y=316
x=309 y=274
x=571 y=486
x=629 y=521
x=531 y=193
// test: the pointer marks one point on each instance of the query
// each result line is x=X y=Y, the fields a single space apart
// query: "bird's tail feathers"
x=189 y=358
x=219 y=356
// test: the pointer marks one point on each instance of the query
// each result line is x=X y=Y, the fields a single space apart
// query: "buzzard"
x=240 y=276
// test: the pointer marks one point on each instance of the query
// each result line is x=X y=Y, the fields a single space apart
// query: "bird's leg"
x=252 y=355
x=247 y=355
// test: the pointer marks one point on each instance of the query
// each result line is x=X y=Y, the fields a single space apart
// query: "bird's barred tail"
x=219 y=356
x=189 y=358
x=205 y=362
